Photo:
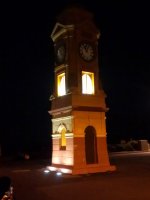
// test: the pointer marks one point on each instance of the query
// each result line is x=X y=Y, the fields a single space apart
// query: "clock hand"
x=84 y=52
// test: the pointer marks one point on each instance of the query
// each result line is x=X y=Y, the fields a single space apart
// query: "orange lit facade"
x=78 y=101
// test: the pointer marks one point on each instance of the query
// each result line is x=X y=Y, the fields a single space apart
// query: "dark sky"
x=27 y=61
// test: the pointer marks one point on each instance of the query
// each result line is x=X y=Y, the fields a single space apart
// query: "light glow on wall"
x=61 y=84
x=61 y=170
x=66 y=171
x=52 y=168
x=87 y=82
x=56 y=160
x=67 y=161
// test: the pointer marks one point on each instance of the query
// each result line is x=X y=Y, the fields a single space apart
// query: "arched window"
x=87 y=82
x=63 y=139
x=62 y=132
x=61 y=84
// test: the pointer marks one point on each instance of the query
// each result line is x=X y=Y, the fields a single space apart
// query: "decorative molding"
x=60 y=67
x=60 y=110
x=62 y=118
x=69 y=135
x=58 y=135
x=51 y=98
x=82 y=136
x=64 y=28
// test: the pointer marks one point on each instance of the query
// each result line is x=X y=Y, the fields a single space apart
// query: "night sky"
x=27 y=63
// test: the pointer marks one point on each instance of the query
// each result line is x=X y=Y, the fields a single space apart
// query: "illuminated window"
x=63 y=139
x=61 y=84
x=87 y=82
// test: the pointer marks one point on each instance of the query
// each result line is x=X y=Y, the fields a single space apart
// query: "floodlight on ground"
x=50 y=168
x=46 y=171
x=58 y=173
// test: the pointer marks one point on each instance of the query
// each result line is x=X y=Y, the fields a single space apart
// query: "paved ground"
x=131 y=181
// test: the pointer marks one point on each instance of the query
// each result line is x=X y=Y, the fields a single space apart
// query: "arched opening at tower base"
x=90 y=145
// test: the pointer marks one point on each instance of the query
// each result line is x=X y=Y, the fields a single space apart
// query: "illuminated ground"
x=130 y=181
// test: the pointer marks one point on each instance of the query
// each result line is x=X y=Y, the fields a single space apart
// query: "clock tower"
x=78 y=100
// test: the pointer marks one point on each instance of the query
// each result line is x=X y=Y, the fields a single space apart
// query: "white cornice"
x=60 y=110
x=58 y=135
x=62 y=118
x=63 y=29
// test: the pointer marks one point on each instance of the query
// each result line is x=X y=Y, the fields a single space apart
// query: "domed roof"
x=74 y=15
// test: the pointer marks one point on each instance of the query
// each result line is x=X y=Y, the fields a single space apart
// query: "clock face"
x=60 y=53
x=86 y=51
